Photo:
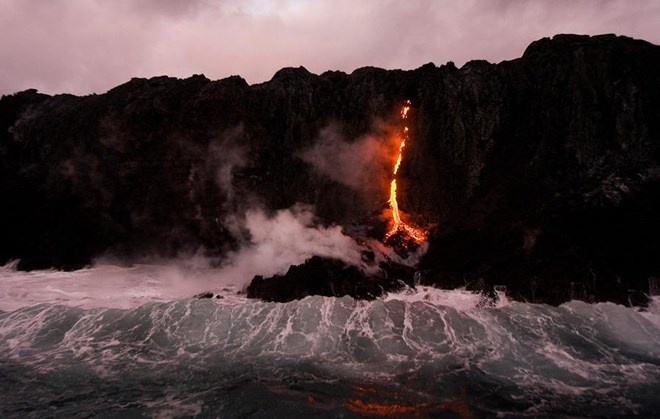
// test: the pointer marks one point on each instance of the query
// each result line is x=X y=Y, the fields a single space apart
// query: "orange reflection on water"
x=402 y=409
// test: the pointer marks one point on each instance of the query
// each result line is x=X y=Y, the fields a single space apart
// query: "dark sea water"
x=427 y=353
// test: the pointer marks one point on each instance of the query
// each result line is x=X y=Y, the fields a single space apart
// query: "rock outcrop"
x=321 y=276
x=539 y=173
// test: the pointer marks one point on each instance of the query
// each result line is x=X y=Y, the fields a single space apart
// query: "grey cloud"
x=170 y=8
x=90 y=46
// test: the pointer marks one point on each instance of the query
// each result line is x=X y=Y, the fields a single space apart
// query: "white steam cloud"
x=226 y=155
x=359 y=164
x=287 y=238
x=276 y=242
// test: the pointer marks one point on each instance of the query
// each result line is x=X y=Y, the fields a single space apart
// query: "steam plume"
x=287 y=238
x=360 y=164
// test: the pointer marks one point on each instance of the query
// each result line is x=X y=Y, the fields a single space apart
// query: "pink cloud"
x=90 y=46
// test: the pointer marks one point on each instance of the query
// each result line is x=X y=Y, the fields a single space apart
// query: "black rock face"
x=326 y=277
x=562 y=184
x=539 y=173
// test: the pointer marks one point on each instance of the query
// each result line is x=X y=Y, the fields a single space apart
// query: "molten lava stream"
x=398 y=225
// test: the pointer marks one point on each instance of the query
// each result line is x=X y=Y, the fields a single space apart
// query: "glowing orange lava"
x=398 y=225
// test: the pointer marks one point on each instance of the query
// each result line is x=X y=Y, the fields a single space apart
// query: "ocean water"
x=132 y=342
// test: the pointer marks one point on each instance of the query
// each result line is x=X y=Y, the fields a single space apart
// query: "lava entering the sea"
x=398 y=225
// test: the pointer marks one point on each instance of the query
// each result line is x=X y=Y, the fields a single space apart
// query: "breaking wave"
x=407 y=354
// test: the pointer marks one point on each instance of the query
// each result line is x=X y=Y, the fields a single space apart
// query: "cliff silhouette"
x=539 y=173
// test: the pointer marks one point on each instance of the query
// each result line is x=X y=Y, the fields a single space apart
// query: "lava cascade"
x=398 y=225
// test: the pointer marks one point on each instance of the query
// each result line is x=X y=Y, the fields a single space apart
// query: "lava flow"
x=398 y=225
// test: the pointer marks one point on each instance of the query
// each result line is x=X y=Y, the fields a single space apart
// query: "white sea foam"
x=652 y=313
x=458 y=298
x=115 y=313
x=114 y=286
x=594 y=354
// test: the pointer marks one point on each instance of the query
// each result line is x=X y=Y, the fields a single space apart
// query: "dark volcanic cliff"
x=539 y=173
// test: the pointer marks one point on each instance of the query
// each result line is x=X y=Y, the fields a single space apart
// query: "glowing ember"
x=399 y=225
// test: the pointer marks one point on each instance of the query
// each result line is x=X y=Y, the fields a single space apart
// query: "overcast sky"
x=86 y=46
